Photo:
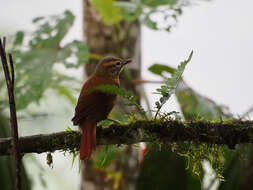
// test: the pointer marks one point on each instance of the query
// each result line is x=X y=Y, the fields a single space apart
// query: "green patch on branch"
x=74 y=147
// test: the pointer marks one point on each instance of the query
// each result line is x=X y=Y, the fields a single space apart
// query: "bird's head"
x=111 y=66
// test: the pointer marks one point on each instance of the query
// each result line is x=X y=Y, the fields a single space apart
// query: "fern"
x=170 y=85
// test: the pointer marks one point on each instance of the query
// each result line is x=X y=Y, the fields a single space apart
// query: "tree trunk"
x=103 y=41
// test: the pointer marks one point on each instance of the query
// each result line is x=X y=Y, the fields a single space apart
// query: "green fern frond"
x=170 y=85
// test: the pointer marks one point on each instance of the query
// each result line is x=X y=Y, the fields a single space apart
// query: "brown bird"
x=94 y=106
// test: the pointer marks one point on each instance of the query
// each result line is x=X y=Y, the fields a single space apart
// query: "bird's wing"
x=87 y=106
x=90 y=103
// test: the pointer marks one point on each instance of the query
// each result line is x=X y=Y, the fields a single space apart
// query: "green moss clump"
x=72 y=145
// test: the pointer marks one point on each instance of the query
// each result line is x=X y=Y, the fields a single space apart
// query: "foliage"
x=158 y=69
x=146 y=11
x=109 y=12
x=106 y=155
x=35 y=56
x=195 y=106
x=43 y=52
x=35 y=65
x=168 y=173
x=232 y=172
x=39 y=58
x=170 y=84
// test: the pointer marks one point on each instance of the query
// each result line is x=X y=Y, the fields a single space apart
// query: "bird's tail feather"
x=88 y=140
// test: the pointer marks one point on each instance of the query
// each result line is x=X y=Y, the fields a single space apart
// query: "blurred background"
x=219 y=33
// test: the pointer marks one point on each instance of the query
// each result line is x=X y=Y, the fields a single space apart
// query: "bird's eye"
x=117 y=63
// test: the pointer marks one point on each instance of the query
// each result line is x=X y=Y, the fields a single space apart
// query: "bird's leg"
x=117 y=122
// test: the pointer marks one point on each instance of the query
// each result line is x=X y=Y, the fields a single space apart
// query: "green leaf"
x=130 y=11
x=35 y=66
x=193 y=105
x=64 y=91
x=37 y=19
x=112 y=12
x=162 y=169
x=233 y=172
x=108 y=11
x=19 y=38
x=49 y=34
x=105 y=156
x=33 y=76
x=168 y=10
x=170 y=84
x=77 y=50
x=176 y=76
x=156 y=3
x=158 y=69
x=149 y=23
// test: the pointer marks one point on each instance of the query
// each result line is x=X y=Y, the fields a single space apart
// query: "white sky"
x=219 y=32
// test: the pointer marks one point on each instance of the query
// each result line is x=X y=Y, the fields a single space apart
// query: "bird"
x=95 y=106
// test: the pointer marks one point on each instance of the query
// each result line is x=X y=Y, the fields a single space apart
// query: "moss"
x=71 y=142
x=56 y=141
x=195 y=140
x=159 y=130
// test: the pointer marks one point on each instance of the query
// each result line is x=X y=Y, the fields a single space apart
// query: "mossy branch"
x=229 y=133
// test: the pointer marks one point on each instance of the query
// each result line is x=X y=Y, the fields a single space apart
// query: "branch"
x=229 y=133
x=13 y=117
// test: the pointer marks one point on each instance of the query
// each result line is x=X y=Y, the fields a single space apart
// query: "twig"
x=4 y=42
x=12 y=71
x=13 y=117
x=228 y=133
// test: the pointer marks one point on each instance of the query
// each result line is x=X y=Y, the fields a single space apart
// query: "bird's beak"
x=126 y=61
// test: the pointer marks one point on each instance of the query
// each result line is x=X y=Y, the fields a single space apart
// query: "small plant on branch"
x=170 y=85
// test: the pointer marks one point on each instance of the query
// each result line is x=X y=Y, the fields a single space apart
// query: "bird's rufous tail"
x=88 y=140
